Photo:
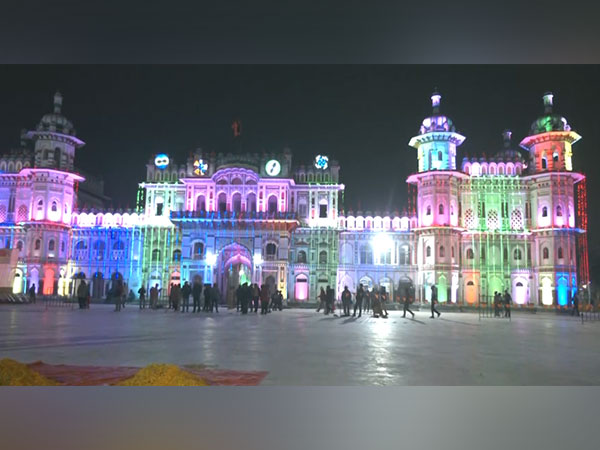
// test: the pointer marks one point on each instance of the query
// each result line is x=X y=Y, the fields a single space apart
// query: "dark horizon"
x=363 y=116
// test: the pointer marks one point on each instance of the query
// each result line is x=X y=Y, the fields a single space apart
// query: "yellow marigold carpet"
x=163 y=375
x=13 y=373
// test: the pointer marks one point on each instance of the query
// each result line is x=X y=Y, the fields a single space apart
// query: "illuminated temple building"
x=507 y=222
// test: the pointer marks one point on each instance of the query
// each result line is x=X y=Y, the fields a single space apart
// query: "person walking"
x=278 y=301
x=215 y=298
x=82 y=294
x=383 y=298
x=196 y=293
x=496 y=304
x=358 y=300
x=346 y=300
x=186 y=291
x=238 y=297
x=322 y=300
x=264 y=299
x=507 y=302
x=406 y=304
x=434 y=299
x=142 y=294
x=329 y=300
x=575 y=305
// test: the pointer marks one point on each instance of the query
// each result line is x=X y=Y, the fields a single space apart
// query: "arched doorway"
x=234 y=268
x=301 y=288
x=18 y=282
x=546 y=291
x=520 y=291
x=562 y=291
x=48 y=282
x=470 y=292
x=34 y=280
x=98 y=285
x=442 y=286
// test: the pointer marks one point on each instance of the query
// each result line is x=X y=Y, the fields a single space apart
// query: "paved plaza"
x=300 y=347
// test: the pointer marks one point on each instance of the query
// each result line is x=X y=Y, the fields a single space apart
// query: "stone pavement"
x=300 y=347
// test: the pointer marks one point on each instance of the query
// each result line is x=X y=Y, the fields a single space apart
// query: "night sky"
x=363 y=116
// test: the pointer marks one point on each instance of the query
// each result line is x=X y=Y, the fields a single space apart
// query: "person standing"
x=215 y=298
x=496 y=304
x=346 y=300
x=367 y=299
x=255 y=297
x=82 y=294
x=245 y=297
x=118 y=294
x=154 y=296
x=434 y=299
x=196 y=293
x=507 y=302
x=278 y=301
x=575 y=305
x=171 y=296
x=31 y=293
x=264 y=299
x=322 y=300
x=238 y=297
x=186 y=291
x=176 y=296
x=360 y=293
x=207 y=297
x=142 y=294
x=329 y=300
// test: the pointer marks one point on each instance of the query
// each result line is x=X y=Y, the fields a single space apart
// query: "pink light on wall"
x=301 y=288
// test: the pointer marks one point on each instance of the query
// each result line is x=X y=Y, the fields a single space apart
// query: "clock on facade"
x=200 y=167
x=273 y=168
x=321 y=162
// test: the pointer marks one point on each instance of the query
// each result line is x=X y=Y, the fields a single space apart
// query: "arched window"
x=555 y=157
x=251 y=202
x=19 y=245
x=222 y=202
x=428 y=251
x=428 y=210
x=177 y=256
x=272 y=204
x=545 y=211
x=38 y=244
x=322 y=257
x=99 y=248
x=198 y=250
x=54 y=207
x=81 y=245
x=440 y=157
x=155 y=255
x=442 y=252
x=236 y=202
x=470 y=254
x=51 y=245
x=22 y=213
x=517 y=254
x=270 y=251
x=560 y=253
x=366 y=254
x=452 y=252
x=558 y=211
x=201 y=203
x=545 y=253
x=441 y=209
x=302 y=257
x=544 y=162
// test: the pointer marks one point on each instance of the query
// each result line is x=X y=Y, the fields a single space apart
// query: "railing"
x=231 y=215
x=58 y=301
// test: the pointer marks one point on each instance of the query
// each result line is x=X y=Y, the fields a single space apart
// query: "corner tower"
x=437 y=140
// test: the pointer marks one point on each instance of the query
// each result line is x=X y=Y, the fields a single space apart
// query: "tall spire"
x=57 y=102
x=548 y=102
x=435 y=101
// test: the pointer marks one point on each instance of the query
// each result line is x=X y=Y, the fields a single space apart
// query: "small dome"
x=508 y=153
x=437 y=121
x=549 y=121
x=55 y=121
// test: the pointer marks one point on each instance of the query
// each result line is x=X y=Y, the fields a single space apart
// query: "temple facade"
x=514 y=221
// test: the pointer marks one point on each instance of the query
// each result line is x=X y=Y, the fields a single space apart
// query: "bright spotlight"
x=211 y=259
x=382 y=242
x=258 y=259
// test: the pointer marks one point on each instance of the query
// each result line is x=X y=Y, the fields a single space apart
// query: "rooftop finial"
x=548 y=102
x=435 y=101
x=507 y=134
x=57 y=102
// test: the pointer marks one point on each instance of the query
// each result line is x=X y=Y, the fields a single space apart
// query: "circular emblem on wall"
x=321 y=162
x=161 y=161
x=200 y=167
x=273 y=168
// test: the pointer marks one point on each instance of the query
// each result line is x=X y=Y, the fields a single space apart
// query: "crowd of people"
x=204 y=297
x=372 y=300
x=502 y=300
x=248 y=297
